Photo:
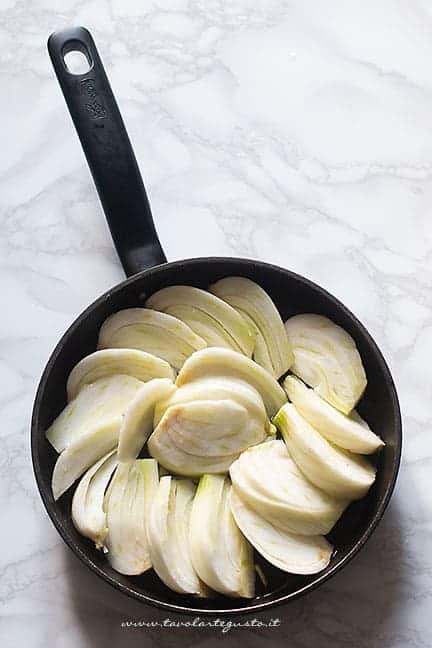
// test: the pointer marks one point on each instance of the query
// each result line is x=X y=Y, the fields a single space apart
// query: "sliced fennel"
x=297 y=554
x=251 y=429
x=205 y=327
x=338 y=472
x=127 y=503
x=88 y=514
x=211 y=428
x=168 y=535
x=100 y=364
x=210 y=317
x=201 y=436
x=261 y=353
x=168 y=454
x=226 y=363
x=272 y=431
x=268 y=480
x=326 y=358
x=137 y=424
x=217 y=388
x=214 y=428
x=81 y=453
x=348 y=432
x=100 y=401
x=249 y=299
x=148 y=330
x=221 y=555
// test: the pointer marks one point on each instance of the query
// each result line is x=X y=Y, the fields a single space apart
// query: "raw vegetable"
x=100 y=364
x=103 y=400
x=221 y=555
x=219 y=427
x=201 y=436
x=127 y=503
x=217 y=388
x=88 y=515
x=210 y=317
x=297 y=554
x=148 y=330
x=348 y=432
x=169 y=455
x=283 y=495
x=137 y=423
x=249 y=299
x=81 y=453
x=261 y=353
x=267 y=479
x=226 y=363
x=326 y=358
x=338 y=472
x=211 y=428
x=168 y=535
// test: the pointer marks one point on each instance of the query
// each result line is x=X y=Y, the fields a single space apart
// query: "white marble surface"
x=295 y=132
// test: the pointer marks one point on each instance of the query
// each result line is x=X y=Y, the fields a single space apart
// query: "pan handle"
x=108 y=150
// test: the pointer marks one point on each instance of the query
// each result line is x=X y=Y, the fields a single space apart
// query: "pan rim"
x=260 y=605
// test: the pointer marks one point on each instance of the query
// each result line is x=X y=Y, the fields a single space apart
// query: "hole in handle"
x=76 y=58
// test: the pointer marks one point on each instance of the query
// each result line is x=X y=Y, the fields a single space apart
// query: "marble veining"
x=288 y=130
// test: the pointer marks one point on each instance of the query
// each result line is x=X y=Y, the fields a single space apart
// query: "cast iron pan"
x=121 y=190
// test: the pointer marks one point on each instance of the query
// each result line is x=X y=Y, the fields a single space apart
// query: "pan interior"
x=292 y=294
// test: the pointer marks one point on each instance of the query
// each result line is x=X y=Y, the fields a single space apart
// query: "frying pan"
x=115 y=171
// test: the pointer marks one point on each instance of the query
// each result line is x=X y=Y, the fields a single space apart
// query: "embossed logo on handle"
x=92 y=102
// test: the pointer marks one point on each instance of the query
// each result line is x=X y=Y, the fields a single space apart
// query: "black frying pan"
x=121 y=190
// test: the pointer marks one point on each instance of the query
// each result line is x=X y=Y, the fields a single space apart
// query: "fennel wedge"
x=100 y=364
x=103 y=400
x=336 y=471
x=348 y=432
x=127 y=501
x=88 y=514
x=327 y=359
x=226 y=363
x=217 y=388
x=158 y=333
x=267 y=479
x=169 y=536
x=297 y=554
x=210 y=317
x=220 y=554
x=83 y=452
x=200 y=436
x=137 y=423
x=249 y=299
